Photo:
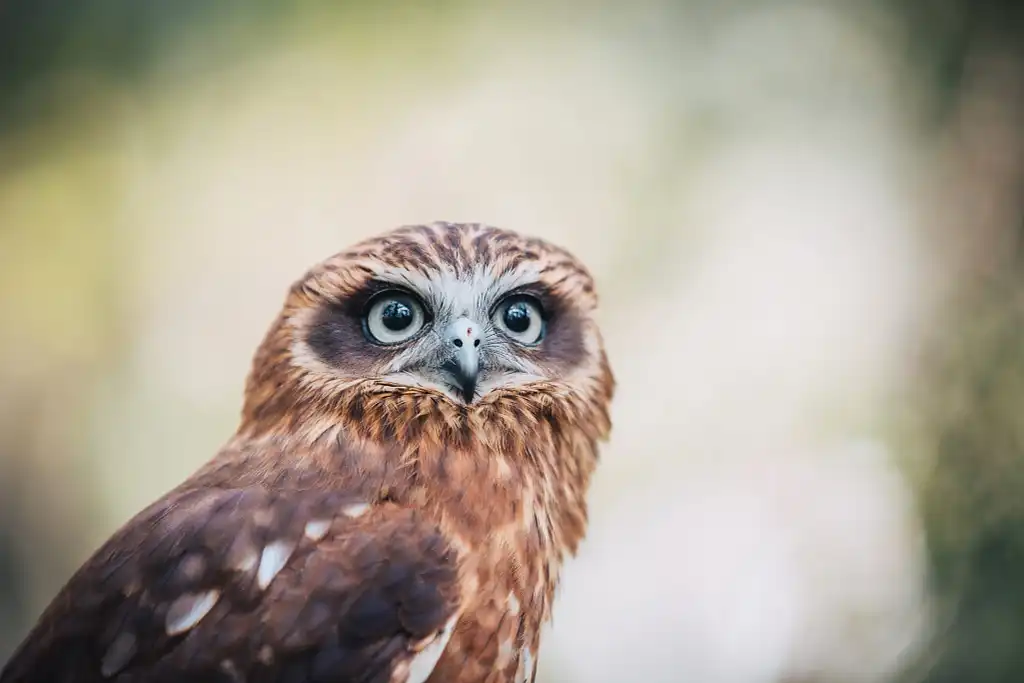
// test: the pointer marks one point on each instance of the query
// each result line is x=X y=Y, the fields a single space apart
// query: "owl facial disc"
x=466 y=312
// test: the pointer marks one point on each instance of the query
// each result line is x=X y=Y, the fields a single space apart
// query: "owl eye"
x=394 y=317
x=521 y=318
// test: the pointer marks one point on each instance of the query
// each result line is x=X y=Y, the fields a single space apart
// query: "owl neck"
x=506 y=481
x=522 y=459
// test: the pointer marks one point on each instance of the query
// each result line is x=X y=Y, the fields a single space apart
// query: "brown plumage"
x=419 y=430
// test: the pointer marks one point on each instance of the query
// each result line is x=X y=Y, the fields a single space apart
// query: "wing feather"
x=243 y=584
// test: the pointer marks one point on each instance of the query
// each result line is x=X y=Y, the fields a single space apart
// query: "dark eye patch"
x=337 y=337
x=562 y=345
x=357 y=303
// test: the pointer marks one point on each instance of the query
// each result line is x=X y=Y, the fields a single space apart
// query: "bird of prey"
x=419 y=428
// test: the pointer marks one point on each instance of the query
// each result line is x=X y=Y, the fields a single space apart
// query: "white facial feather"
x=452 y=295
x=449 y=297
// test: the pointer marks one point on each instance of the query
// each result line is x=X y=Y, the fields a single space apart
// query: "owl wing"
x=245 y=585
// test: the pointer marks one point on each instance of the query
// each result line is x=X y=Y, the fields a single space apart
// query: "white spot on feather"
x=505 y=651
x=355 y=510
x=118 y=654
x=231 y=670
x=504 y=471
x=513 y=604
x=273 y=560
x=422 y=665
x=524 y=672
x=317 y=529
x=248 y=562
x=189 y=610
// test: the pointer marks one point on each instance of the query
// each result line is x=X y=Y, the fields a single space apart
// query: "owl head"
x=456 y=317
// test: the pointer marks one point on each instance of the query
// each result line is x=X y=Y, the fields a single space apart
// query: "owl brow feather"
x=479 y=285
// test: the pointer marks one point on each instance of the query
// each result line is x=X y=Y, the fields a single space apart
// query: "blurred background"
x=805 y=219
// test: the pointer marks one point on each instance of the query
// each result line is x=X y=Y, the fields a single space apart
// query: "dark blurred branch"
x=944 y=34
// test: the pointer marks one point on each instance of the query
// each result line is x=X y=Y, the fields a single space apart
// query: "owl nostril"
x=457 y=342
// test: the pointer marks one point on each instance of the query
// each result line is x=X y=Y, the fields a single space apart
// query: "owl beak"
x=464 y=365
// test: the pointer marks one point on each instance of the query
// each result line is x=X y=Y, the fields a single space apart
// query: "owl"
x=419 y=428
